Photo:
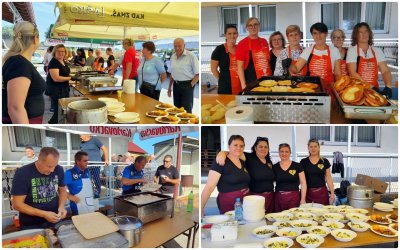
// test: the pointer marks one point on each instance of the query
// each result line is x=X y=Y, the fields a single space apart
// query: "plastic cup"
x=119 y=93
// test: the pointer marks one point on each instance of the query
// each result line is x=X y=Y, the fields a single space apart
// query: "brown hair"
x=285 y=145
x=53 y=53
x=354 y=34
x=149 y=46
x=79 y=155
x=341 y=31
x=128 y=41
x=314 y=141
x=276 y=33
x=251 y=19
x=235 y=137
x=293 y=28
x=45 y=151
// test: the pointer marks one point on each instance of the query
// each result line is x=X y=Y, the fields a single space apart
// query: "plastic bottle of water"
x=238 y=210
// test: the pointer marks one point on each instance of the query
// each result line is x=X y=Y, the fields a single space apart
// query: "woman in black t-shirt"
x=231 y=180
x=110 y=60
x=224 y=58
x=58 y=79
x=259 y=166
x=23 y=87
x=277 y=43
x=288 y=175
x=317 y=174
x=80 y=58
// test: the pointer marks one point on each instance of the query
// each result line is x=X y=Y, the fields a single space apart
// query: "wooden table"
x=337 y=116
x=363 y=239
x=133 y=103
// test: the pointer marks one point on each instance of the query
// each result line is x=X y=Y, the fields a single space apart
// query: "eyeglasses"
x=167 y=161
x=277 y=40
x=259 y=138
x=338 y=38
x=253 y=25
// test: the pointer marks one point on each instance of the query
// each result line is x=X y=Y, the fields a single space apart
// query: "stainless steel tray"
x=28 y=233
x=365 y=112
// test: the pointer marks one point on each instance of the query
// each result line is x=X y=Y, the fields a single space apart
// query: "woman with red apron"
x=252 y=54
x=321 y=60
x=259 y=166
x=364 y=60
x=232 y=179
x=337 y=38
x=288 y=175
x=291 y=53
x=98 y=63
x=317 y=174
x=224 y=58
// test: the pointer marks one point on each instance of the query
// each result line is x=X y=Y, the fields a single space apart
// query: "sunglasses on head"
x=259 y=138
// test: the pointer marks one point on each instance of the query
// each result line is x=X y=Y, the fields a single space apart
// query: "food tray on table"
x=36 y=238
x=287 y=106
x=365 y=112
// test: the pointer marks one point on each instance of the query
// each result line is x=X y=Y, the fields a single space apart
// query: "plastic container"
x=238 y=210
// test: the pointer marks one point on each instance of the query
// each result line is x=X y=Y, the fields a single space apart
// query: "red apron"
x=269 y=200
x=343 y=65
x=261 y=58
x=285 y=200
x=318 y=195
x=226 y=201
x=368 y=68
x=235 y=81
x=303 y=71
x=322 y=66
x=35 y=120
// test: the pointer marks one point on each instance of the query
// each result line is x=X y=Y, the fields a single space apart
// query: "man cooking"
x=167 y=175
x=132 y=177
x=38 y=191
x=93 y=147
x=79 y=184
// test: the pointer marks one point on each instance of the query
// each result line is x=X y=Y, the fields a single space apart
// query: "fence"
x=108 y=180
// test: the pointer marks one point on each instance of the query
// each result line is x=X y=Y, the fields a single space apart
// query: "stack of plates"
x=115 y=107
x=107 y=99
x=127 y=117
x=385 y=207
x=395 y=203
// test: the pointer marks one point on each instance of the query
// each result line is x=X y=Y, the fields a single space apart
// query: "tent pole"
x=110 y=170
x=178 y=162
x=125 y=32
x=69 y=146
x=348 y=153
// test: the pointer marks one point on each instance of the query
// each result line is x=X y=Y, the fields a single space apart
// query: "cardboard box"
x=376 y=198
x=378 y=185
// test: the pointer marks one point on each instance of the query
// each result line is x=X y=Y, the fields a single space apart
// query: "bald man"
x=184 y=75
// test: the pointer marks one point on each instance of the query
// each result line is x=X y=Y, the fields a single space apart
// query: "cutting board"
x=94 y=225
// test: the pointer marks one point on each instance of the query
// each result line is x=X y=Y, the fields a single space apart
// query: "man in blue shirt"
x=38 y=191
x=79 y=184
x=93 y=147
x=132 y=177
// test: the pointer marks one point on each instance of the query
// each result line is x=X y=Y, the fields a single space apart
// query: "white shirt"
x=184 y=68
x=335 y=54
x=352 y=54
x=47 y=58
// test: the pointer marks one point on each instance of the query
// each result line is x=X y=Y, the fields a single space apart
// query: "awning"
x=133 y=148
x=25 y=9
x=139 y=20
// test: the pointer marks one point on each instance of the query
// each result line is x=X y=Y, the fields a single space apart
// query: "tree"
x=7 y=32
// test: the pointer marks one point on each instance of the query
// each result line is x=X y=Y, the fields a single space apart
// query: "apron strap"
x=309 y=61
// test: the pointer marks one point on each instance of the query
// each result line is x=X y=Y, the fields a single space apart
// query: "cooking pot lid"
x=364 y=188
x=128 y=222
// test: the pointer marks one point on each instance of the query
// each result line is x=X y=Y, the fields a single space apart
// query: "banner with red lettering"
x=103 y=131
x=151 y=132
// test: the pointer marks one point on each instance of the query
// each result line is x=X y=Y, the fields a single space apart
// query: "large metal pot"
x=84 y=112
x=360 y=196
x=130 y=227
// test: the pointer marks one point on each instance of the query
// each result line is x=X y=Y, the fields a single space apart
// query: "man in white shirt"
x=184 y=75
x=29 y=155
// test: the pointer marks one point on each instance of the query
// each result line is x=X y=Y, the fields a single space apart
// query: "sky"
x=147 y=145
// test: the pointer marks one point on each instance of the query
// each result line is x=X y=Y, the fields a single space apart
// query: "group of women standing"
x=237 y=65
x=236 y=174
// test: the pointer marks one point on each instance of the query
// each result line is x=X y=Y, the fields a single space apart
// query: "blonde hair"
x=293 y=28
x=128 y=41
x=24 y=36
x=251 y=19
x=53 y=53
x=341 y=32
x=319 y=147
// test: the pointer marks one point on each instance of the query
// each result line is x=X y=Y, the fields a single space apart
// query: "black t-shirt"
x=100 y=61
x=19 y=66
x=78 y=59
x=172 y=173
x=262 y=175
x=287 y=180
x=41 y=191
x=232 y=178
x=63 y=71
x=272 y=61
x=224 y=81
x=315 y=174
x=110 y=58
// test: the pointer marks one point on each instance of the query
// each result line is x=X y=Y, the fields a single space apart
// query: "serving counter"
x=337 y=115
x=366 y=238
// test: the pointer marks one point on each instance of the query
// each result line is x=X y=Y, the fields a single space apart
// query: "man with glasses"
x=168 y=176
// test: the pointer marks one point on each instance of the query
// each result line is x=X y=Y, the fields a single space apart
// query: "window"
x=37 y=138
x=347 y=14
x=338 y=135
x=239 y=15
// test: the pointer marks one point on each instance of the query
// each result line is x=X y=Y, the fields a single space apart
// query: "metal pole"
x=110 y=167
x=390 y=174
x=348 y=151
x=69 y=146
x=294 y=154
x=250 y=11
x=303 y=10
x=224 y=138
x=178 y=162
